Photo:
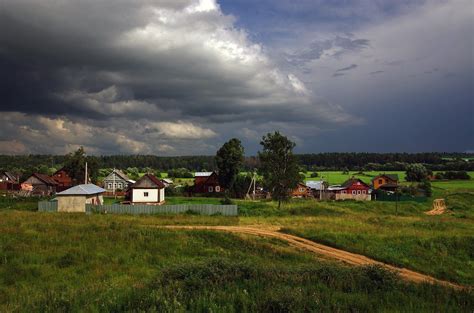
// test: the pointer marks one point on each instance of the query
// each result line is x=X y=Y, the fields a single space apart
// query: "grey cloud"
x=347 y=68
x=334 y=47
x=376 y=72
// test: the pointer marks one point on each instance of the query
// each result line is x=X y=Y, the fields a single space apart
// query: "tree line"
x=311 y=162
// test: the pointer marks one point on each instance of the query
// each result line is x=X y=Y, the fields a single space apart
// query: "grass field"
x=56 y=262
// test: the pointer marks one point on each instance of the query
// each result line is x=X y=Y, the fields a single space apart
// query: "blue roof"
x=82 y=190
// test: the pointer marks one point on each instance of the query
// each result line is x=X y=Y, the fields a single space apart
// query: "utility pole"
x=113 y=176
x=85 y=176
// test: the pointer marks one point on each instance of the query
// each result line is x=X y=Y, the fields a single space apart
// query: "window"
x=110 y=186
x=218 y=188
x=210 y=189
x=301 y=189
x=145 y=194
x=363 y=191
x=120 y=185
x=380 y=181
x=353 y=192
x=344 y=191
x=358 y=192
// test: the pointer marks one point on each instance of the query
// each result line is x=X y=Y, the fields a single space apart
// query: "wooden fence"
x=203 y=209
x=47 y=206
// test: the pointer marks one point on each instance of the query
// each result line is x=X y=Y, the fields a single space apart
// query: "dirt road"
x=319 y=249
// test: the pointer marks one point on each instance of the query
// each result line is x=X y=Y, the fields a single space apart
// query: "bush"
x=314 y=174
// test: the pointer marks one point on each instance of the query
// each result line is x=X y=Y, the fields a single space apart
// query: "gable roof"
x=82 y=190
x=153 y=179
x=353 y=181
x=9 y=175
x=120 y=174
x=45 y=179
x=393 y=177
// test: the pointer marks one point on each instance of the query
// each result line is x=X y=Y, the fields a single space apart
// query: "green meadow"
x=52 y=262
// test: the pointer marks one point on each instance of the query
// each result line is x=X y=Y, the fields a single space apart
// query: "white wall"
x=138 y=195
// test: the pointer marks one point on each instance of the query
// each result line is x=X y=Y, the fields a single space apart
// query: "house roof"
x=335 y=187
x=10 y=175
x=167 y=180
x=352 y=181
x=153 y=179
x=202 y=174
x=121 y=175
x=45 y=179
x=390 y=176
x=82 y=190
x=315 y=184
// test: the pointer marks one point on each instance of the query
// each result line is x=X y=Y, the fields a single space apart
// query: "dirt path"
x=316 y=248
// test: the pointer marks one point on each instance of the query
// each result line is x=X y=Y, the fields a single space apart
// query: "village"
x=151 y=190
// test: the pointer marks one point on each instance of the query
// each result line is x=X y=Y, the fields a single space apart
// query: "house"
x=148 y=189
x=40 y=184
x=8 y=177
x=317 y=187
x=386 y=182
x=117 y=180
x=207 y=182
x=353 y=188
x=75 y=198
x=302 y=191
x=9 y=181
x=63 y=179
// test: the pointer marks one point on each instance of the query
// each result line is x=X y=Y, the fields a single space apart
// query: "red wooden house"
x=207 y=182
x=63 y=179
x=353 y=188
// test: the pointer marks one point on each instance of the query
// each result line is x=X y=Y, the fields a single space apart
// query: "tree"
x=75 y=165
x=416 y=172
x=229 y=160
x=279 y=166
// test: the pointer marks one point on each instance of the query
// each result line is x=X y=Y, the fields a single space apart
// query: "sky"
x=181 y=77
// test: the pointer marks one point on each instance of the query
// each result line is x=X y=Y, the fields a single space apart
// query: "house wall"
x=71 y=203
x=119 y=182
x=350 y=196
x=301 y=191
x=153 y=195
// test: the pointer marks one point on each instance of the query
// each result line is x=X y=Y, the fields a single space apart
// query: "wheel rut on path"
x=323 y=250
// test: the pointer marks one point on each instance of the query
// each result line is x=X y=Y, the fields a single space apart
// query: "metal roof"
x=315 y=184
x=202 y=174
x=82 y=190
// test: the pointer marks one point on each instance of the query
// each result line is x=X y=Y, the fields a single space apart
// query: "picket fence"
x=47 y=206
x=202 y=209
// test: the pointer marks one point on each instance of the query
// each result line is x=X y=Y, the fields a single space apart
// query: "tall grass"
x=66 y=263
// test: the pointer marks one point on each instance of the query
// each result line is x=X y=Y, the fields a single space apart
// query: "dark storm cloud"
x=98 y=66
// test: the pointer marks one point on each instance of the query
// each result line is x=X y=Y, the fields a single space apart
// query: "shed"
x=75 y=198
x=148 y=190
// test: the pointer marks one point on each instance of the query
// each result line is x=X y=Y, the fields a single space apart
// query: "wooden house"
x=301 y=191
x=117 y=181
x=147 y=190
x=63 y=179
x=387 y=182
x=351 y=189
x=207 y=182
x=9 y=181
x=40 y=184
x=75 y=198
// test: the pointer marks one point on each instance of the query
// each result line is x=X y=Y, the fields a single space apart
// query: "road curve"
x=319 y=249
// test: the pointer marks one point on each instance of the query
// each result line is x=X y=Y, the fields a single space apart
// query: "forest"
x=315 y=161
